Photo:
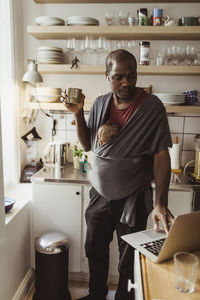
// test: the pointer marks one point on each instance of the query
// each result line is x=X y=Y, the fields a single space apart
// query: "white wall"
x=99 y=84
x=15 y=253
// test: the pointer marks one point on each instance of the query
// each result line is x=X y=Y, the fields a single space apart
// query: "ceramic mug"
x=188 y=21
x=74 y=95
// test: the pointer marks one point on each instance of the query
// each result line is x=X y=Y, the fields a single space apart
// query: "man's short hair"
x=119 y=55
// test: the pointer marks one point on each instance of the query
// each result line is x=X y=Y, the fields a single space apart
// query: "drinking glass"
x=185 y=271
x=123 y=17
x=131 y=46
x=101 y=50
x=88 y=50
x=109 y=16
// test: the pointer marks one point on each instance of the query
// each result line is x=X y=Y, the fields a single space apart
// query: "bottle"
x=83 y=163
x=144 y=52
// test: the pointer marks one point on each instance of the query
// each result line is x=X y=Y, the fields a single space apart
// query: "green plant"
x=77 y=151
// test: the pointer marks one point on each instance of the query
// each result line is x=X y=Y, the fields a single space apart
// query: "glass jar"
x=144 y=52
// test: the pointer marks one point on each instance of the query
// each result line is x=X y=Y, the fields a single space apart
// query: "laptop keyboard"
x=154 y=246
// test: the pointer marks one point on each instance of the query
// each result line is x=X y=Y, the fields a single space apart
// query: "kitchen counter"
x=51 y=173
x=158 y=281
x=68 y=174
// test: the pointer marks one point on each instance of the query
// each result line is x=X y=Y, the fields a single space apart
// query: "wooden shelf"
x=100 y=69
x=61 y=106
x=55 y=106
x=116 y=1
x=183 y=109
x=116 y=32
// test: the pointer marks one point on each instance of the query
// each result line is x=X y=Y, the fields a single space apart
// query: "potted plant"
x=77 y=154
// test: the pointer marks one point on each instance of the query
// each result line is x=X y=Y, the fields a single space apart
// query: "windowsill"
x=22 y=194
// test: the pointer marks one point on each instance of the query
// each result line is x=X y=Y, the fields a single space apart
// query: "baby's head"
x=107 y=131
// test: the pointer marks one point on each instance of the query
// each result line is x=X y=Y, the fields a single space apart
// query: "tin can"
x=144 y=52
x=142 y=17
x=157 y=16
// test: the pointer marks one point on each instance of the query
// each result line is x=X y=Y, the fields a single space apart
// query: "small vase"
x=76 y=162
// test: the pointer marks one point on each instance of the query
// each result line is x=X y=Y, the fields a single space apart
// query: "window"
x=8 y=92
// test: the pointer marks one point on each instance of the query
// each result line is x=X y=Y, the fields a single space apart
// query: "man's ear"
x=108 y=78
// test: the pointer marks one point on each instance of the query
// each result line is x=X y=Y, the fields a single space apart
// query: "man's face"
x=123 y=78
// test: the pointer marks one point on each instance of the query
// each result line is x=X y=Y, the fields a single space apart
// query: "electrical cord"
x=46 y=114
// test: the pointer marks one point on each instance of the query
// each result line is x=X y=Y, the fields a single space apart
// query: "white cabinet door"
x=114 y=253
x=179 y=202
x=57 y=207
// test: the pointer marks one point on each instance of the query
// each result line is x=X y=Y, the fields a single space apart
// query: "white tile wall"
x=185 y=127
x=176 y=124
x=187 y=156
x=192 y=125
x=188 y=143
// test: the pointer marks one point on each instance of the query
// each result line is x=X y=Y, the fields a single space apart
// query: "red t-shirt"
x=121 y=116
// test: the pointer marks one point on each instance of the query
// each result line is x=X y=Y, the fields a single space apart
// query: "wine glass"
x=70 y=46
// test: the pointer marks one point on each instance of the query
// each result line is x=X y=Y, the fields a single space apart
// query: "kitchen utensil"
x=33 y=159
x=188 y=21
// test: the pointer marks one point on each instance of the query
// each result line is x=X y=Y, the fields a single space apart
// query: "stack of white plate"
x=47 y=94
x=49 y=55
x=79 y=20
x=49 y=21
x=170 y=98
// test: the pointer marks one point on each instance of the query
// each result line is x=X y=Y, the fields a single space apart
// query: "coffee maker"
x=33 y=161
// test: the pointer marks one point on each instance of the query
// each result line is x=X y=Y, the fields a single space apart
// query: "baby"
x=107 y=131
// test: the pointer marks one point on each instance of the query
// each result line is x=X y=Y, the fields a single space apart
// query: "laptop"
x=184 y=235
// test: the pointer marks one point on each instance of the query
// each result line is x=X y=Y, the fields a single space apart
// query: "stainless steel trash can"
x=51 y=267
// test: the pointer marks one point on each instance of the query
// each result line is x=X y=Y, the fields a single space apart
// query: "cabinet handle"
x=131 y=285
x=77 y=193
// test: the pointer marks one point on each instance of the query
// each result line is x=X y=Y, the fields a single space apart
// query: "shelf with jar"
x=100 y=69
x=59 y=106
x=116 y=1
x=116 y=32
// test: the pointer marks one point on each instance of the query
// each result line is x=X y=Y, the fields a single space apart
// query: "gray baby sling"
x=122 y=167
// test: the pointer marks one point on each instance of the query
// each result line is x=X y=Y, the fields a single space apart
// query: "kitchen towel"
x=175 y=156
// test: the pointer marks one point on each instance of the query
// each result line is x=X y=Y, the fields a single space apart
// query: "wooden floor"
x=80 y=289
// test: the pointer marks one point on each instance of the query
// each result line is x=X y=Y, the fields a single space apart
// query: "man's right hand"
x=74 y=108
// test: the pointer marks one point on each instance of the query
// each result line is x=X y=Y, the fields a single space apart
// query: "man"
x=122 y=169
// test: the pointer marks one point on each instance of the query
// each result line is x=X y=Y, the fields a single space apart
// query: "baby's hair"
x=107 y=131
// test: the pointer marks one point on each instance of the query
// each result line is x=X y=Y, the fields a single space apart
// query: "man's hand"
x=164 y=215
x=74 y=108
